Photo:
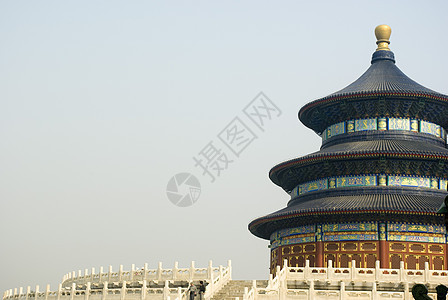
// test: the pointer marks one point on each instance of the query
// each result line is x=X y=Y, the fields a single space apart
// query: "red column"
x=384 y=255
x=445 y=256
x=384 y=251
x=319 y=254
x=319 y=246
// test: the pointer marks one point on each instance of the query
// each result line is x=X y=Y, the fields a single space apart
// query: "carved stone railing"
x=134 y=274
x=98 y=287
x=345 y=283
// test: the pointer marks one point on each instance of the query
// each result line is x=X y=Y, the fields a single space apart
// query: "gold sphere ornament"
x=382 y=33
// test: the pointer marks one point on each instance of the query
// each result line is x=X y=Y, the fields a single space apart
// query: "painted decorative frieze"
x=369 y=180
x=383 y=124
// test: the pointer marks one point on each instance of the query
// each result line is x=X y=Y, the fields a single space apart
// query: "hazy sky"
x=102 y=102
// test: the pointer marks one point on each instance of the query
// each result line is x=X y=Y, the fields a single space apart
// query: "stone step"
x=235 y=289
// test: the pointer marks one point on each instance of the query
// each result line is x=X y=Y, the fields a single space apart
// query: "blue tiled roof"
x=404 y=97
x=282 y=174
x=398 y=146
x=391 y=203
x=372 y=202
x=384 y=76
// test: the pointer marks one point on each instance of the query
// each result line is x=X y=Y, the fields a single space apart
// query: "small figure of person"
x=192 y=290
x=201 y=290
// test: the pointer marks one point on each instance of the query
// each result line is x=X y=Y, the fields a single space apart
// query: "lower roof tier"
x=380 y=156
x=367 y=204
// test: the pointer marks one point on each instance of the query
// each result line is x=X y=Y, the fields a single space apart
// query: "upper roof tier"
x=383 y=90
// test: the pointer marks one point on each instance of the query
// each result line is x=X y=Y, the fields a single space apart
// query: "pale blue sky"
x=101 y=102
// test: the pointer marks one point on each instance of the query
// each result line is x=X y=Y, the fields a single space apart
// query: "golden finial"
x=382 y=33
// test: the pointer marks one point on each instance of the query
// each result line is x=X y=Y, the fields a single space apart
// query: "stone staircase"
x=235 y=289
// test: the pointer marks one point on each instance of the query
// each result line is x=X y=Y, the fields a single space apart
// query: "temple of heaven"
x=372 y=191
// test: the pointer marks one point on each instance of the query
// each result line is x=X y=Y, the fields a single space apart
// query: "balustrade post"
x=104 y=291
x=192 y=270
x=330 y=269
x=246 y=291
x=159 y=271
x=211 y=285
x=342 y=291
x=311 y=290
x=282 y=285
x=176 y=270
x=92 y=274
x=47 y=291
x=179 y=293
x=87 y=294
x=145 y=271
x=374 y=295
x=353 y=270
x=209 y=269
x=132 y=272
x=59 y=292
x=270 y=280
x=73 y=275
x=28 y=291
x=20 y=291
x=427 y=272
x=143 y=293
x=220 y=271
x=307 y=270
x=15 y=291
x=72 y=294
x=101 y=274
x=109 y=277
x=229 y=266
x=36 y=294
x=123 y=290
x=86 y=274
x=79 y=274
x=166 y=290
x=377 y=270
x=407 y=295
x=120 y=273
x=402 y=271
